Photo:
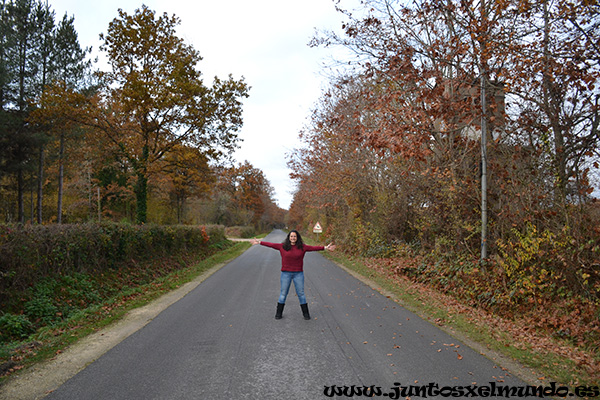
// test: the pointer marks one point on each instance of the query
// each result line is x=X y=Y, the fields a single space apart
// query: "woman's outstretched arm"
x=276 y=246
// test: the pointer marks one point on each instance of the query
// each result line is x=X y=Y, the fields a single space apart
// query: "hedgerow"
x=48 y=273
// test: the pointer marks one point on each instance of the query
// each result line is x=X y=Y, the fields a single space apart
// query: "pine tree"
x=70 y=70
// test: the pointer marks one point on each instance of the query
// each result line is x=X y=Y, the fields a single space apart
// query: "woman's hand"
x=254 y=241
x=330 y=247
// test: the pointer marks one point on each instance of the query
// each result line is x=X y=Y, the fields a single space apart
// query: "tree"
x=189 y=174
x=25 y=24
x=555 y=81
x=253 y=191
x=30 y=55
x=45 y=43
x=345 y=182
x=70 y=69
x=426 y=61
x=154 y=99
x=242 y=195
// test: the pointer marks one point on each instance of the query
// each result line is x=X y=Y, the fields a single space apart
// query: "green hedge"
x=29 y=254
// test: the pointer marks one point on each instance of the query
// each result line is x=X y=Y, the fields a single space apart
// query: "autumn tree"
x=253 y=190
x=154 y=99
x=242 y=195
x=107 y=173
x=555 y=78
x=65 y=66
x=70 y=69
x=188 y=174
x=429 y=63
x=359 y=191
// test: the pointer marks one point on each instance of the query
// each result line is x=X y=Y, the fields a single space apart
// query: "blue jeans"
x=286 y=282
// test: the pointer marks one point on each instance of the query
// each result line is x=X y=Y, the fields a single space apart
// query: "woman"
x=292 y=261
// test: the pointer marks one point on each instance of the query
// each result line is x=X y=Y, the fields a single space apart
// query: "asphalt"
x=217 y=339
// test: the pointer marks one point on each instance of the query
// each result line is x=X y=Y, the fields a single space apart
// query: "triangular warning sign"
x=317 y=228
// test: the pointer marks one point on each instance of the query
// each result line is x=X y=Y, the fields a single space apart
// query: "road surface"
x=221 y=341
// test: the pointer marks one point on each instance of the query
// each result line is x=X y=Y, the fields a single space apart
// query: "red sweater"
x=293 y=259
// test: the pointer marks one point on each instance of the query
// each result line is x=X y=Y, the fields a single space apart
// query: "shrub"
x=14 y=327
x=538 y=262
x=365 y=240
x=57 y=298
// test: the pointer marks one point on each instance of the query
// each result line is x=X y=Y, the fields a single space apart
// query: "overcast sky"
x=264 y=41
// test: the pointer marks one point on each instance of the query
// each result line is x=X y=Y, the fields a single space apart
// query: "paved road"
x=222 y=342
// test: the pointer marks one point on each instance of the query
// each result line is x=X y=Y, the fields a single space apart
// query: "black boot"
x=305 y=311
x=279 y=313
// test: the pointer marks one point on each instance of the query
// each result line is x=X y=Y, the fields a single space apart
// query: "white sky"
x=265 y=41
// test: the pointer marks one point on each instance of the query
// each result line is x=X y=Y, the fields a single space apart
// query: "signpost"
x=317 y=229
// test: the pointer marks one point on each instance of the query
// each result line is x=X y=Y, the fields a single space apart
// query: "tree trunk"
x=552 y=111
x=32 y=206
x=40 y=188
x=484 y=137
x=180 y=207
x=20 y=200
x=60 y=178
x=141 y=188
x=141 y=194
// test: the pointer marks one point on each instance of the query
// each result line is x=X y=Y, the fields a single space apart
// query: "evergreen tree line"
x=35 y=51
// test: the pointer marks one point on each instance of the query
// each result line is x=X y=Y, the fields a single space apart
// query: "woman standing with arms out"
x=292 y=262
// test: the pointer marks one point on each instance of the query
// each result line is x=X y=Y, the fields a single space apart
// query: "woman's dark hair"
x=287 y=245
